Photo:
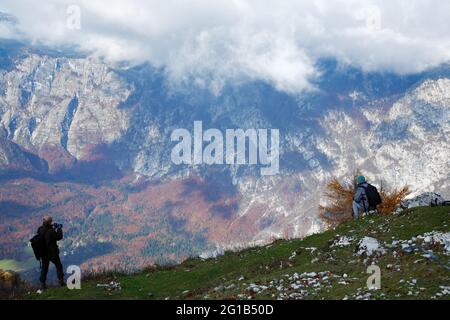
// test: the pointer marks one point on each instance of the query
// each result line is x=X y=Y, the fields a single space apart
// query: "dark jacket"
x=51 y=236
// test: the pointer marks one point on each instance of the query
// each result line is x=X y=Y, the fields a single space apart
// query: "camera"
x=57 y=225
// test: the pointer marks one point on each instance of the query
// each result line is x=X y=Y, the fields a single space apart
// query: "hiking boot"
x=43 y=286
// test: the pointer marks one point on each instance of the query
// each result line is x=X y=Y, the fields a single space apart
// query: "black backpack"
x=373 y=197
x=39 y=246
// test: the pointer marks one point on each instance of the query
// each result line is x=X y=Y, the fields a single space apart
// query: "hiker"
x=50 y=234
x=366 y=197
x=360 y=202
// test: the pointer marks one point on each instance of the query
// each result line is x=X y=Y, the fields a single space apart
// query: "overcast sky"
x=215 y=41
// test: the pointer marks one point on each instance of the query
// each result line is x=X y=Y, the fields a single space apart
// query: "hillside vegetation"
x=413 y=258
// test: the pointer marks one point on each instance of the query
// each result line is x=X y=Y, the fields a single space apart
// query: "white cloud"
x=217 y=41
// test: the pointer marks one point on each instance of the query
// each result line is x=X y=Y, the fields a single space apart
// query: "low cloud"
x=211 y=43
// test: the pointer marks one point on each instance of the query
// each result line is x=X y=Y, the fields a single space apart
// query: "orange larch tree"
x=339 y=197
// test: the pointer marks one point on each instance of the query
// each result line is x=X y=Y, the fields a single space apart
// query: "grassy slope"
x=262 y=264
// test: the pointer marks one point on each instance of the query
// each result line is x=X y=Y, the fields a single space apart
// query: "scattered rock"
x=424 y=199
x=231 y=286
x=436 y=237
x=342 y=241
x=112 y=286
x=219 y=288
x=369 y=246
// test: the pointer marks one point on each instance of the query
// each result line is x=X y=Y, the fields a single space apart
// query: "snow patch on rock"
x=424 y=199
x=369 y=246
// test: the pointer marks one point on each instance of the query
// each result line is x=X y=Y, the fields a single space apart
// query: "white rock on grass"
x=441 y=238
x=293 y=255
x=436 y=237
x=343 y=241
x=369 y=246
x=423 y=199
x=110 y=286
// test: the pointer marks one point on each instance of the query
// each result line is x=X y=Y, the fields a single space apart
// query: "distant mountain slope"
x=73 y=128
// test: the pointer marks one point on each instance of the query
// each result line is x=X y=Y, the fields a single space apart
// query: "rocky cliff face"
x=61 y=114
x=63 y=103
x=406 y=142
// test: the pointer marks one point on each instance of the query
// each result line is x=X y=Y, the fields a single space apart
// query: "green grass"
x=9 y=264
x=17 y=266
x=261 y=265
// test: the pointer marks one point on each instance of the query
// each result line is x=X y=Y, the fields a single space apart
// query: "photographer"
x=51 y=233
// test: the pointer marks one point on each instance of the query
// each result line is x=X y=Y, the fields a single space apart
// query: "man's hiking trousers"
x=58 y=265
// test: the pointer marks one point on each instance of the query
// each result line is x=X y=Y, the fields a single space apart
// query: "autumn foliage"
x=391 y=199
x=340 y=196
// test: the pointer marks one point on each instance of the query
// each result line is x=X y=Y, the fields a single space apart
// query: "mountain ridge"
x=76 y=124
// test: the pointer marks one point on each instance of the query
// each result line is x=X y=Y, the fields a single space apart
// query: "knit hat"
x=361 y=179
